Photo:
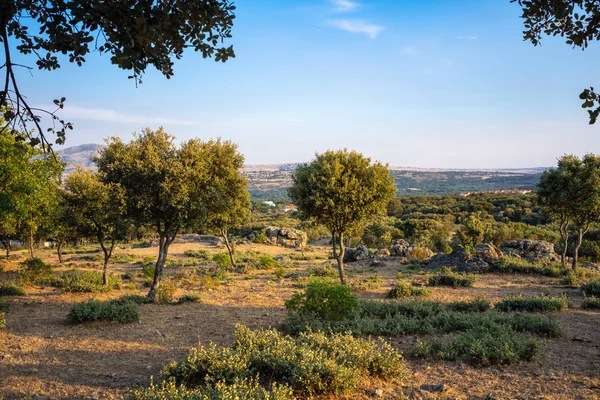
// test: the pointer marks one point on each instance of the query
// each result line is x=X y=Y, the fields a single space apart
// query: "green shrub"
x=113 y=311
x=477 y=305
x=133 y=298
x=35 y=270
x=279 y=272
x=325 y=270
x=496 y=346
x=369 y=283
x=312 y=363
x=447 y=277
x=266 y=262
x=532 y=304
x=4 y=307
x=2 y=320
x=189 y=298
x=406 y=289
x=591 y=288
x=123 y=258
x=242 y=389
x=200 y=254
x=148 y=270
x=589 y=303
x=84 y=282
x=513 y=264
x=127 y=276
x=222 y=259
x=11 y=290
x=329 y=302
x=260 y=237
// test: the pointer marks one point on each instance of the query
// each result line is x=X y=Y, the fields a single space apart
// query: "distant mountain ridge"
x=82 y=155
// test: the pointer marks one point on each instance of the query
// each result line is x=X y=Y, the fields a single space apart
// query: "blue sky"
x=435 y=83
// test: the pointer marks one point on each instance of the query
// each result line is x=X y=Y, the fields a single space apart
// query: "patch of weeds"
x=148 y=271
x=324 y=270
x=130 y=286
x=34 y=270
x=200 y=254
x=147 y=283
x=406 y=289
x=306 y=257
x=591 y=288
x=11 y=290
x=250 y=277
x=312 y=364
x=222 y=260
x=279 y=273
x=471 y=306
x=4 y=307
x=112 y=311
x=2 y=320
x=589 y=303
x=133 y=298
x=127 y=276
x=123 y=258
x=532 y=304
x=84 y=282
x=266 y=262
x=189 y=298
x=166 y=292
x=246 y=389
x=369 y=283
x=447 y=277
x=513 y=264
x=498 y=345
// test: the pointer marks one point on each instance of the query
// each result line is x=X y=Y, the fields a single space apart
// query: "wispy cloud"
x=365 y=28
x=108 y=115
x=344 y=5
x=467 y=38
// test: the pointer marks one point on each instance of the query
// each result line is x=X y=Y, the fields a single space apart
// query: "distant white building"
x=269 y=203
x=288 y=208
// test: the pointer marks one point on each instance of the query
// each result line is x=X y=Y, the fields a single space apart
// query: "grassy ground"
x=40 y=354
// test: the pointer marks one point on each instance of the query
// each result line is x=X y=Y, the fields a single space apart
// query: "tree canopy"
x=578 y=21
x=136 y=34
x=341 y=190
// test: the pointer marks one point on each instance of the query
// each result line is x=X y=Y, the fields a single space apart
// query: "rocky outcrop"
x=489 y=253
x=287 y=237
x=530 y=250
x=400 y=248
x=358 y=254
x=459 y=260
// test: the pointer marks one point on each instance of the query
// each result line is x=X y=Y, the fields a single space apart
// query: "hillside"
x=271 y=181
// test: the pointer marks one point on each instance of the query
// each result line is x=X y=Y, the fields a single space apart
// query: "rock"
x=250 y=236
x=434 y=388
x=349 y=255
x=377 y=263
x=399 y=248
x=358 y=254
x=286 y=237
x=382 y=253
x=378 y=393
x=489 y=253
x=530 y=250
x=459 y=260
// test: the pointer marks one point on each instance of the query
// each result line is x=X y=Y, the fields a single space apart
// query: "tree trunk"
x=163 y=250
x=31 y=243
x=230 y=248
x=107 y=254
x=580 y=233
x=59 y=244
x=564 y=233
x=340 y=257
x=6 y=244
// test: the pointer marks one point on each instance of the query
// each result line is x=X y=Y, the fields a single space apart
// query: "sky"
x=431 y=84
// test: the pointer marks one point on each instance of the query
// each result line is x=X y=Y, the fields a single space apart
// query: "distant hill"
x=270 y=181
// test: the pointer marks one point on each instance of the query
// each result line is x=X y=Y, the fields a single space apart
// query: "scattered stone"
x=530 y=250
x=378 y=393
x=489 y=253
x=377 y=263
x=358 y=254
x=434 y=388
x=382 y=253
x=286 y=237
x=460 y=260
x=400 y=248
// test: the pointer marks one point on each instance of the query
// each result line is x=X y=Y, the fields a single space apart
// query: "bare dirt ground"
x=41 y=356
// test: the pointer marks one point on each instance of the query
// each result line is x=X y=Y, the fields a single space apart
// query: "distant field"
x=269 y=185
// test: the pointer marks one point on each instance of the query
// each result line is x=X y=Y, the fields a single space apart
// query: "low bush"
x=189 y=298
x=477 y=305
x=113 y=311
x=329 y=302
x=166 y=292
x=2 y=320
x=325 y=270
x=266 y=262
x=482 y=346
x=406 y=289
x=123 y=258
x=369 y=283
x=4 y=307
x=313 y=363
x=306 y=257
x=133 y=298
x=148 y=270
x=127 y=276
x=591 y=288
x=589 y=303
x=532 y=304
x=222 y=260
x=84 y=282
x=513 y=264
x=279 y=272
x=580 y=275
x=243 y=389
x=35 y=270
x=447 y=277
x=200 y=254
x=11 y=290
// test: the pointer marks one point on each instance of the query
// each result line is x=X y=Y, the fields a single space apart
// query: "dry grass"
x=41 y=354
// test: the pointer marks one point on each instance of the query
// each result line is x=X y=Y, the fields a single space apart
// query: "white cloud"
x=344 y=5
x=108 y=115
x=467 y=38
x=365 y=28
